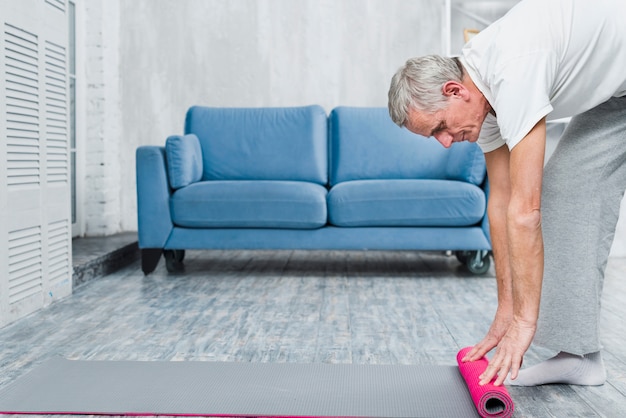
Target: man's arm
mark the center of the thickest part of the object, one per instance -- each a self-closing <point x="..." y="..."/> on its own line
<point x="497" y="208"/>
<point x="525" y="247"/>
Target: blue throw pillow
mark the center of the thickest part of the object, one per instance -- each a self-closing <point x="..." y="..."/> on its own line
<point x="184" y="160"/>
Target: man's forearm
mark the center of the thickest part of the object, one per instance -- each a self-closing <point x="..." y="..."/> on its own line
<point x="524" y="223"/>
<point x="497" y="210"/>
<point x="499" y="242"/>
<point x="526" y="263"/>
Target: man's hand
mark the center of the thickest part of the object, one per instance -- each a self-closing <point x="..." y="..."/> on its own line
<point x="498" y="329"/>
<point x="510" y="353"/>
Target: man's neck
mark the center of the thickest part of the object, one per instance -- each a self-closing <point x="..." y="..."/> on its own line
<point x="471" y="86"/>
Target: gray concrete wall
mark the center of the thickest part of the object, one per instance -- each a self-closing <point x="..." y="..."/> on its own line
<point x="175" y="54"/>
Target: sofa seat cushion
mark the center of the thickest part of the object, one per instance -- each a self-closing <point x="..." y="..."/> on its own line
<point x="412" y="203"/>
<point x="250" y="204"/>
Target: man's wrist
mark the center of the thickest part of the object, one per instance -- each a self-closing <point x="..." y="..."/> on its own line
<point x="526" y="320"/>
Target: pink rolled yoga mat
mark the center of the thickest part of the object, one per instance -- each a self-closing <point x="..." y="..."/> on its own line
<point x="490" y="401"/>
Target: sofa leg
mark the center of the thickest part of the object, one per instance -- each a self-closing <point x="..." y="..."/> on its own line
<point x="149" y="259"/>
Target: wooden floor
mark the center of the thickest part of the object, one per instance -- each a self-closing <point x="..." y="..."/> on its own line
<point x="298" y="306"/>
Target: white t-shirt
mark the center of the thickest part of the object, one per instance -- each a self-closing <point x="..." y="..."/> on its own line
<point x="554" y="58"/>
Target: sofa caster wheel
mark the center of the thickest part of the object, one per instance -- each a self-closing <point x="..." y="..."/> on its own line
<point x="478" y="262"/>
<point x="174" y="260"/>
<point x="463" y="256"/>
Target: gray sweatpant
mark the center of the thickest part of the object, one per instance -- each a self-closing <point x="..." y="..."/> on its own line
<point x="583" y="185"/>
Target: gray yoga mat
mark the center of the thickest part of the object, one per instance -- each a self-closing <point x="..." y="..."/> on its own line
<point x="60" y="386"/>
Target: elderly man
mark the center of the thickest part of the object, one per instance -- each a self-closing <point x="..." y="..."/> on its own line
<point x="543" y="60"/>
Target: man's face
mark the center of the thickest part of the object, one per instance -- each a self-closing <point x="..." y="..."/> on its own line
<point x="456" y="123"/>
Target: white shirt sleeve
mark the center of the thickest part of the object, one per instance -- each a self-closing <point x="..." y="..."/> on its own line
<point x="522" y="90"/>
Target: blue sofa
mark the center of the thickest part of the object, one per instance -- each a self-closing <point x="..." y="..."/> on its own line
<point x="297" y="178"/>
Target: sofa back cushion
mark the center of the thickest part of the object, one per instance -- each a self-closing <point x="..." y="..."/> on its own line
<point x="261" y="143"/>
<point x="366" y="144"/>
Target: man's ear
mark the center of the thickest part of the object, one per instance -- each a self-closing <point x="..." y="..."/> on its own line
<point x="454" y="88"/>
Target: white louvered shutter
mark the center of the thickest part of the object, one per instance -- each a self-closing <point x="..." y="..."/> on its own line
<point x="35" y="218"/>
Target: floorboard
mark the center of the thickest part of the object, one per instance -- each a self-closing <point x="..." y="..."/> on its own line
<point x="303" y="306"/>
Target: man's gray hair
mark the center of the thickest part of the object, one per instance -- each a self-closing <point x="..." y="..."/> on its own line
<point x="419" y="83"/>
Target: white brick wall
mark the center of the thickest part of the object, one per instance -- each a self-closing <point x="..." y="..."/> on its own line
<point x="103" y="183"/>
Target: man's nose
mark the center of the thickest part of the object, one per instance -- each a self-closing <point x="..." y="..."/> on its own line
<point x="444" y="138"/>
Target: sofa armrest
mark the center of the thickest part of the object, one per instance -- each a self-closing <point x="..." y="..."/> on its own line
<point x="153" y="197"/>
